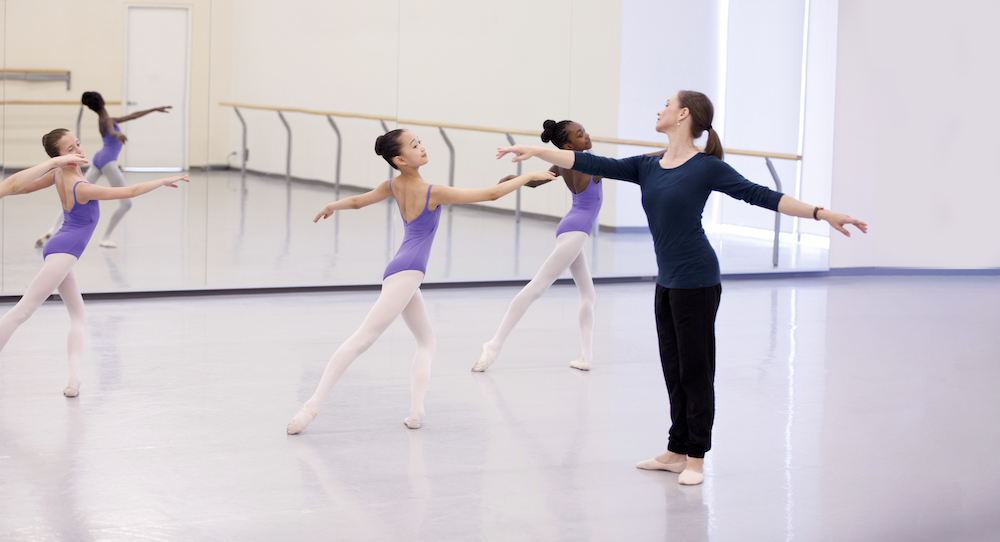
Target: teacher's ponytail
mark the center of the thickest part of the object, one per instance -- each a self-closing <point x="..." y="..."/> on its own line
<point x="702" y="112"/>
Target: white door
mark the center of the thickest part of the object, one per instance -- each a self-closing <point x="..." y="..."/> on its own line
<point x="157" y="47"/>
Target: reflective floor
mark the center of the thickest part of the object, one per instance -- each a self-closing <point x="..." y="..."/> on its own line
<point x="223" y="232"/>
<point x="850" y="408"/>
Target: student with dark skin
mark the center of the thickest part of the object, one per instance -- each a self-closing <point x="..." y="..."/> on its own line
<point x="572" y="233"/>
<point x="106" y="160"/>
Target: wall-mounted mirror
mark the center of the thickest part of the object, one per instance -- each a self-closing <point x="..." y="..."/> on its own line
<point x="138" y="58"/>
<point x="275" y="113"/>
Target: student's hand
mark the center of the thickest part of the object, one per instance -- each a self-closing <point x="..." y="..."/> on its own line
<point x="162" y="109"/>
<point x="507" y="178"/>
<point x="69" y="160"/>
<point x="121" y="137"/>
<point x="839" y="220"/>
<point x="172" y="181"/>
<point x="542" y="175"/>
<point x="521" y="152"/>
<point x="324" y="213"/>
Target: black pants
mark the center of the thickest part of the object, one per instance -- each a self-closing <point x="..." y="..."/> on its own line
<point x="685" y="326"/>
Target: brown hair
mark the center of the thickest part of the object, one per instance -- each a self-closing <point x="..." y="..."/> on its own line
<point x="51" y="141"/>
<point x="701" y="119"/>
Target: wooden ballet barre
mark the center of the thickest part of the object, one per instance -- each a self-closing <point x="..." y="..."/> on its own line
<point x="307" y="111"/>
<point x="50" y="102"/>
<point x="38" y="75"/>
<point x="468" y="127"/>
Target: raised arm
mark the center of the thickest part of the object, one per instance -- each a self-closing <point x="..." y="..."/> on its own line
<point x="561" y="158"/>
<point x="534" y="184"/>
<point x="37" y="177"/>
<point x="790" y="206"/>
<point x="447" y="194"/>
<point x="380" y="193"/>
<point x="143" y="113"/>
<point x="88" y="192"/>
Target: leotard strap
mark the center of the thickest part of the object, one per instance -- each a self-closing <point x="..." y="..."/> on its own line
<point x="76" y="201"/>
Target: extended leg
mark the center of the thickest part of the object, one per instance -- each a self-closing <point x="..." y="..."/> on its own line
<point x="54" y="270"/>
<point x="415" y="316"/>
<point x="588" y="296"/>
<point x="70" y="294"/>
<point x="568" y="246"/>
<point x="396" y="293"/>
<point x="116" y="178"/>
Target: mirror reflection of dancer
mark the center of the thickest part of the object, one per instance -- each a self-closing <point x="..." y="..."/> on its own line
<point x="79" y="201"/>
<point x="420" y="206"/>
<point x="571" y="234"/>
<point x="675" y="187"/>
<point x="106" y="161"/>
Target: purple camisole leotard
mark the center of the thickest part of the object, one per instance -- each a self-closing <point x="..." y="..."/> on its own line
<point x="417" y="239"/>
<point x="109" y="152"/>
<point x="78" y="225"/>
<point x="586" y="206"/>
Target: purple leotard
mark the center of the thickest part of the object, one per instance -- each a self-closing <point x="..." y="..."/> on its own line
<point x="78" y="225"/>
<point x="586" y="206"/>
<point x="417" y="238"/>
<point x="109" y="152"/>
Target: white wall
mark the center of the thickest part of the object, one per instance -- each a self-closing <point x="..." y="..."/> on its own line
<point x="666" y="46"/>
<point x="915" y="143"/>
<point x="762" y="100"/>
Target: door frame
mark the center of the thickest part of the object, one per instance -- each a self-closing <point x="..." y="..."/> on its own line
<point x="186" y="118"/>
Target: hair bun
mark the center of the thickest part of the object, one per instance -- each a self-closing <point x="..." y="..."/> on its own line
<point x="547" y="128"/>
<point x="93" y="100"/>
<point x="378" y="144"/>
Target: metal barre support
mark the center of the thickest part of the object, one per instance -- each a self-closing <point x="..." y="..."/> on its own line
<point x="385" y="129"/>
<point x="336" y="189"/>
<point x="517" y="204"/>
<point x="777" y="215"/>
<point x="243" y="158"/>
<point x="79" y="118"/>
<point x="288" y="155"/>
<point x="451" y="157"/>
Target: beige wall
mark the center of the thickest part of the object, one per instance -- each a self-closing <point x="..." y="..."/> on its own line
<point x="88" y="39"/>
<point x="448" y="61"/>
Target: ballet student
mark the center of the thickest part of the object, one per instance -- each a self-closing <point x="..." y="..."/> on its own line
<point x="571" y="234"/>
<point x="420" y="207"/>
<point x="675" y="187"/>
<point x="79" y="201"/>
<point x="106" y="161"/>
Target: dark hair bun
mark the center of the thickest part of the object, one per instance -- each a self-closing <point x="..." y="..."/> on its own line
<point x="92" y="100"/>
<point x="547" y="128"/>
<point x="378" y="144"/>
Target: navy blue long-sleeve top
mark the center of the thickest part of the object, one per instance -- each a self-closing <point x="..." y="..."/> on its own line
<point x="674" y="200"/>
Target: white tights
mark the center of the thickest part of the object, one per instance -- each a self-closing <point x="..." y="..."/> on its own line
<point x="115" y="178"/>
<point x="568" y="254"/>
<point x="400" y="295"/>
<point x="56" y="273"/>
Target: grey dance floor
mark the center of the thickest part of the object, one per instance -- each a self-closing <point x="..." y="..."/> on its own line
<point x="222" y="232"/>
<point x="849" y="408"/>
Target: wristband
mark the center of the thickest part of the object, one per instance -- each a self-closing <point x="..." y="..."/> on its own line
<point x="815" y="211"/>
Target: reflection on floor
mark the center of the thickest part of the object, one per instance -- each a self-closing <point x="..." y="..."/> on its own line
<point x="852" y="408"/>
<point x="222" y="232"/>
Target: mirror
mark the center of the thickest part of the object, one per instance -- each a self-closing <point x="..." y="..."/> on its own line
<point x="137" y="57"/>
<point x="275" y="113"/>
